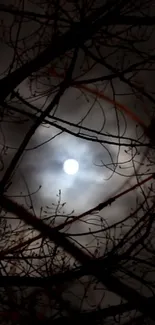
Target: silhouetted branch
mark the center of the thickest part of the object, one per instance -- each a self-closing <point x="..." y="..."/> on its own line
<point x="111" y="282"/>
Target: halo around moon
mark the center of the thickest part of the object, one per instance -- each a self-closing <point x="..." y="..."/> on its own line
<point x="71" y="166"/>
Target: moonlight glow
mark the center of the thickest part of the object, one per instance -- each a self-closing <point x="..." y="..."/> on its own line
<point x="71" y="166"/>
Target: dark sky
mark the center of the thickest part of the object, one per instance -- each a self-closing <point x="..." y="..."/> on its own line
<point x="43" y="164"/>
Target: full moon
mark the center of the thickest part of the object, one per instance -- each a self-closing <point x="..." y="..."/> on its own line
<point x="71" y="166"/>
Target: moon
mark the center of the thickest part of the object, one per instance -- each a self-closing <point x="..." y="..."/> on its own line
<point x="71" y="166"/>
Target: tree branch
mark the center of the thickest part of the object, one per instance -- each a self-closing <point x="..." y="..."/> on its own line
<point x="101" y="271"/>
<point x="78" y="33"/>
<point x="64" y="85"/>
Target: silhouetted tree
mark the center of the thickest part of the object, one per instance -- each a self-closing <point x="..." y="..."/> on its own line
<point x="104" y="52"/>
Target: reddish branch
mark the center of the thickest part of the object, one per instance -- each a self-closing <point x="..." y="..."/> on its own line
<point x="63" y="86"/>
<point x="99" y="270"/>
<point x="101" y="95"/>
<point x="78" y="33"/>
<point x="99" y="207"/>
<point x="114" y="19"/>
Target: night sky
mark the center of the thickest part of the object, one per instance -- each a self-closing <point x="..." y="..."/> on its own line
<point x="104" y="169"/>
